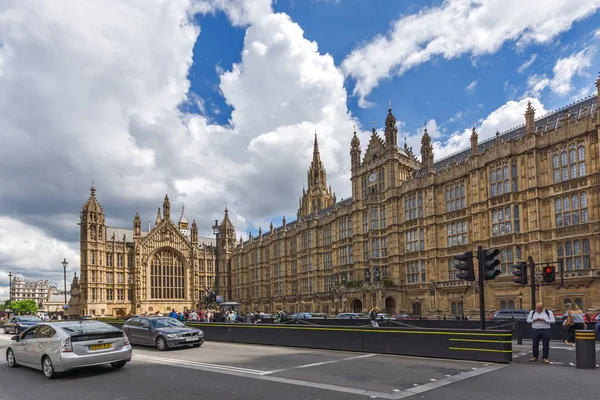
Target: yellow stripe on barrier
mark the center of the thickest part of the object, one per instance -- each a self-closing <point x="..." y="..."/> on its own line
<point x="475" y="349"/>
<point x="585" y="338"/>
<point x="256" y="326"/>
<point x="480" y="341"/>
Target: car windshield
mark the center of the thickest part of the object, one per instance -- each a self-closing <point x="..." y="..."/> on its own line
<point x="30" y="318"/>
<point x="166" y="323"/>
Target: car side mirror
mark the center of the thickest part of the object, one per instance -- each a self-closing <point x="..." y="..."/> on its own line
<point x="15" y="338"/>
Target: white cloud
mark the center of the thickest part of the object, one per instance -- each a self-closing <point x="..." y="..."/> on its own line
<point x="84" y="95"/>
<point x="459" y="27"/>
<point x="527" y="63"/>
<point x="564" y="71"/>
<point x="471" y="86"/>
<point x="506" y="117"/>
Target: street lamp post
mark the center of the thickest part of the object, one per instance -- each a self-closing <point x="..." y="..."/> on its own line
<point x="520" y="301"/>
<point x="216" y="232"/>
<point x="64" y="264"/>
<point x="462" y="307"/>
<point x="10" y="275"/>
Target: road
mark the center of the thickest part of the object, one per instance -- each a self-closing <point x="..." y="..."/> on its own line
<point x="234" y="371"/>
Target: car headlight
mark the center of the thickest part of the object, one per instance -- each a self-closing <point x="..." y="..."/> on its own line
<point x="173" y="335"/>
<point x="200" y="333"/>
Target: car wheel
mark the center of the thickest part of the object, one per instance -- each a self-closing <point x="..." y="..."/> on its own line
<point x="5" y="331"/>
<point x="10" y="359"/>
<point x="48" y="368"/>
<point x="161" y="343"/>
<point x="118" y="364"/>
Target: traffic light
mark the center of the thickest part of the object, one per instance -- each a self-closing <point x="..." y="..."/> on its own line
<point x="465" y="266"/>
<point x="549" y="274"/>
<point x="520" y="273"/>
<point x="490" y="262"/>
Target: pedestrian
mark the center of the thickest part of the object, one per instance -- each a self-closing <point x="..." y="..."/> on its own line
<point x="540" y="320"/>
<point x="173" y="314"/>
<point x="373" y="316"/>
<point x="574" y="320"/>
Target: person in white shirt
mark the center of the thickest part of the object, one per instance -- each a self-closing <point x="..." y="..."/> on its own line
<point x="540" y="320"/>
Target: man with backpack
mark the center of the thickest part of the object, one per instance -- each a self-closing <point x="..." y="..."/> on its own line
<point x="540" y="320"/>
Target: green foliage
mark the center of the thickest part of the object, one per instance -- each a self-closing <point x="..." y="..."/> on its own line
<point x="4" y="306"/>
<point x="24" y="306"/>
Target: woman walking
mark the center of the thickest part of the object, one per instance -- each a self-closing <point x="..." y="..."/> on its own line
<point x="574" y="320"/>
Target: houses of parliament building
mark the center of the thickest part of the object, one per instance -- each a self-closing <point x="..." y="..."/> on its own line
<point x="530" y="191"/>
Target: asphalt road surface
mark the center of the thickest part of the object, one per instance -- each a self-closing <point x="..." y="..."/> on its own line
<point x="232" y="371"/>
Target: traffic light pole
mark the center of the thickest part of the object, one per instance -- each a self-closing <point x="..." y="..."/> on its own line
<point x="532" y="268"/>
<point x="481" y="293"/>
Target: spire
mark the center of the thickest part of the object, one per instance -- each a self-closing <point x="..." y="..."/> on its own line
<point x="194" y="232"/>
<point x="158" y="217"/>
<point x="92" y="190"/>
<point x="529" y="119"/>
<point x="391" y="132"/>
<point x="137" y="225"/>
<point x="316" y="154"/>
<point x="183" y="222"/>
<point x="474" y="142"/>
<point x="167" y="208"/>
<point x="226" y="224"/>
<point x="426" y="150"/>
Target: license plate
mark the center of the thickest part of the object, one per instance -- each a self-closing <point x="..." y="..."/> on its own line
<point x="191" y="339"/>
<point x="100" y="346"/>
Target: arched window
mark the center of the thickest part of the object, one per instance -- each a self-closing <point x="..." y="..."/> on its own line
<point x="459" y="311"/>
<point x="167" y="275"/>
<point x="511" y="305"/>
<point x="503" y="305"/>
<point x="453" y="306"/>
<point x="574" y="255"/>
<point x="579" y="303"/>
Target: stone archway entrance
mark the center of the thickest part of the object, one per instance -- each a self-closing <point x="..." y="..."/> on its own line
<point x="390" y="305"/>
<point x="356" y="306"/>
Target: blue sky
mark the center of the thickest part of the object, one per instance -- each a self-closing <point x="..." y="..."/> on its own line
<point x="435" y="89"/>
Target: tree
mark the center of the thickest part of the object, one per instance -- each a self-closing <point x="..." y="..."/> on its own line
<point x="5" y="305"/>
<point x="24" y="307"/>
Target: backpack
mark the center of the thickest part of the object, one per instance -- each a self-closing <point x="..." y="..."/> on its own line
<point x="547" y="312"/>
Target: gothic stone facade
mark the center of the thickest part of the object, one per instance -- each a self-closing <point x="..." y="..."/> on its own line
<point x="129" y="270"/>
<point x="531" y="191"/>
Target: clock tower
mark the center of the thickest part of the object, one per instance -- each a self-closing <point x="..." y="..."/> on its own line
<point x="318" y="196"/>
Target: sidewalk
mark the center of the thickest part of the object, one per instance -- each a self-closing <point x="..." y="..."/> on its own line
<point x="554" y="344"/>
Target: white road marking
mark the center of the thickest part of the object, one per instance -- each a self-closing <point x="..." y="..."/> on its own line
<point x="165" y="360"/>
<point x="264" y="375"/>
<point x="323" y="363"/>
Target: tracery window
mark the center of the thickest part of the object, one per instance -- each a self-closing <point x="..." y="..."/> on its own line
<point x="569" y="164"/>
<point x="500" y="180"/>
<point x="571" y="210"/>
<point x="455" y="197"/>
<point x="167" y="275"/>
<point x="574" y="255"/>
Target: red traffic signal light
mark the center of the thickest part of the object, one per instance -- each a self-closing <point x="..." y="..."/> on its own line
<point x="549" y="274"/>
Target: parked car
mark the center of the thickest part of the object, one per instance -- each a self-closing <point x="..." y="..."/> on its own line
<point x="17" y="324"/>
<point x="163" y="332"/>
<point x="509" y="315"/>
<point x="56" y="347"/>
<point x="309" y="315"/>
<point x="401" y="316"/>
<point x="352" y="316"/>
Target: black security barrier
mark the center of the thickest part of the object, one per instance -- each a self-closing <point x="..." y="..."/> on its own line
<point x="475" y="345"/>
<point x="585" y="349"/>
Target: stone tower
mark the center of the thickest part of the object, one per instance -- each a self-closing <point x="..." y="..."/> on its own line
<point x="92" y="237"/>
<point x="317" y="196"/>
<point x="474" y="142"/>
<point x="226" y="245"/>
<point x="529" y="119"/>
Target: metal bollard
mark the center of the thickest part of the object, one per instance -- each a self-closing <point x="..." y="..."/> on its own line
<point x="585" y="349"/>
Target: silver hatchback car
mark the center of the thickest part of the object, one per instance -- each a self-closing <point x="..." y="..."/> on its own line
<point x="59" y="346"/>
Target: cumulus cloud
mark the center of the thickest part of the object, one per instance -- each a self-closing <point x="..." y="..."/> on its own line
<point x="456" y="28"/>
<point x="85" y="96"/>
<point x="564" y="71"/>
<point x="503" y="118"/>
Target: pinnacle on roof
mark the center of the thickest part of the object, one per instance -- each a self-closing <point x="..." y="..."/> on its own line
<point x="182" y="218"/>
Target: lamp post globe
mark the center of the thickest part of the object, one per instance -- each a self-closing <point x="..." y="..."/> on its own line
<point x="216" y="229"/>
